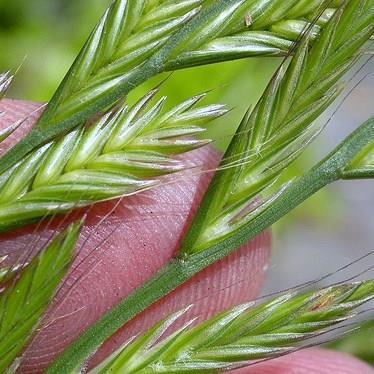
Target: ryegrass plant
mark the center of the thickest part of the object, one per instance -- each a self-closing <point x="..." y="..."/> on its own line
<point x="70" y="160"/>
<point x="119" y="155"/>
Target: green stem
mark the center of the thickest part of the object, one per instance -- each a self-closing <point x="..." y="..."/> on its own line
<point x="179" y="270"/>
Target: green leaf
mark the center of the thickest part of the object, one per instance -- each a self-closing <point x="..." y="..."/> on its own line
<point x="25" y="300"/>
<point x="240" y="335"/>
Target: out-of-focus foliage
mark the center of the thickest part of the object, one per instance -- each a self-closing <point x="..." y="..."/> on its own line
<point x="43" y="36"/>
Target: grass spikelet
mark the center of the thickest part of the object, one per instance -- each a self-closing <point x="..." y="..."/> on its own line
<point x="26" y="298"/>
<point x="267" y="140"/>
<point x="138" y="29"/>
<point x="121" y="154"/>
<point x="5" y="82"/>
<point x="9" y="130"/>
<point x="281" y="125"/>
<point x="240" y="335"/>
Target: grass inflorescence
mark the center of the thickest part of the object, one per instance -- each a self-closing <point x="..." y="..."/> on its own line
<point x="27" y="296"/>
<point x="243" y="334"/>
<point x="281" y="125"/>
<point x="123" y="153"/>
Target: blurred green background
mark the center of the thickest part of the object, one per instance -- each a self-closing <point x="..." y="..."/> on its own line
<point x="40" y="38"/>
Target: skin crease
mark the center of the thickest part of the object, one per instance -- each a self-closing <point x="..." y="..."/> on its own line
<point x="133" y="242"/>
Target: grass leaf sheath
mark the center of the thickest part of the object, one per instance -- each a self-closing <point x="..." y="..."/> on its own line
<point x="137" y="39"/>
<point x="121" y="154"/>
<point x="245" y="333"/>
